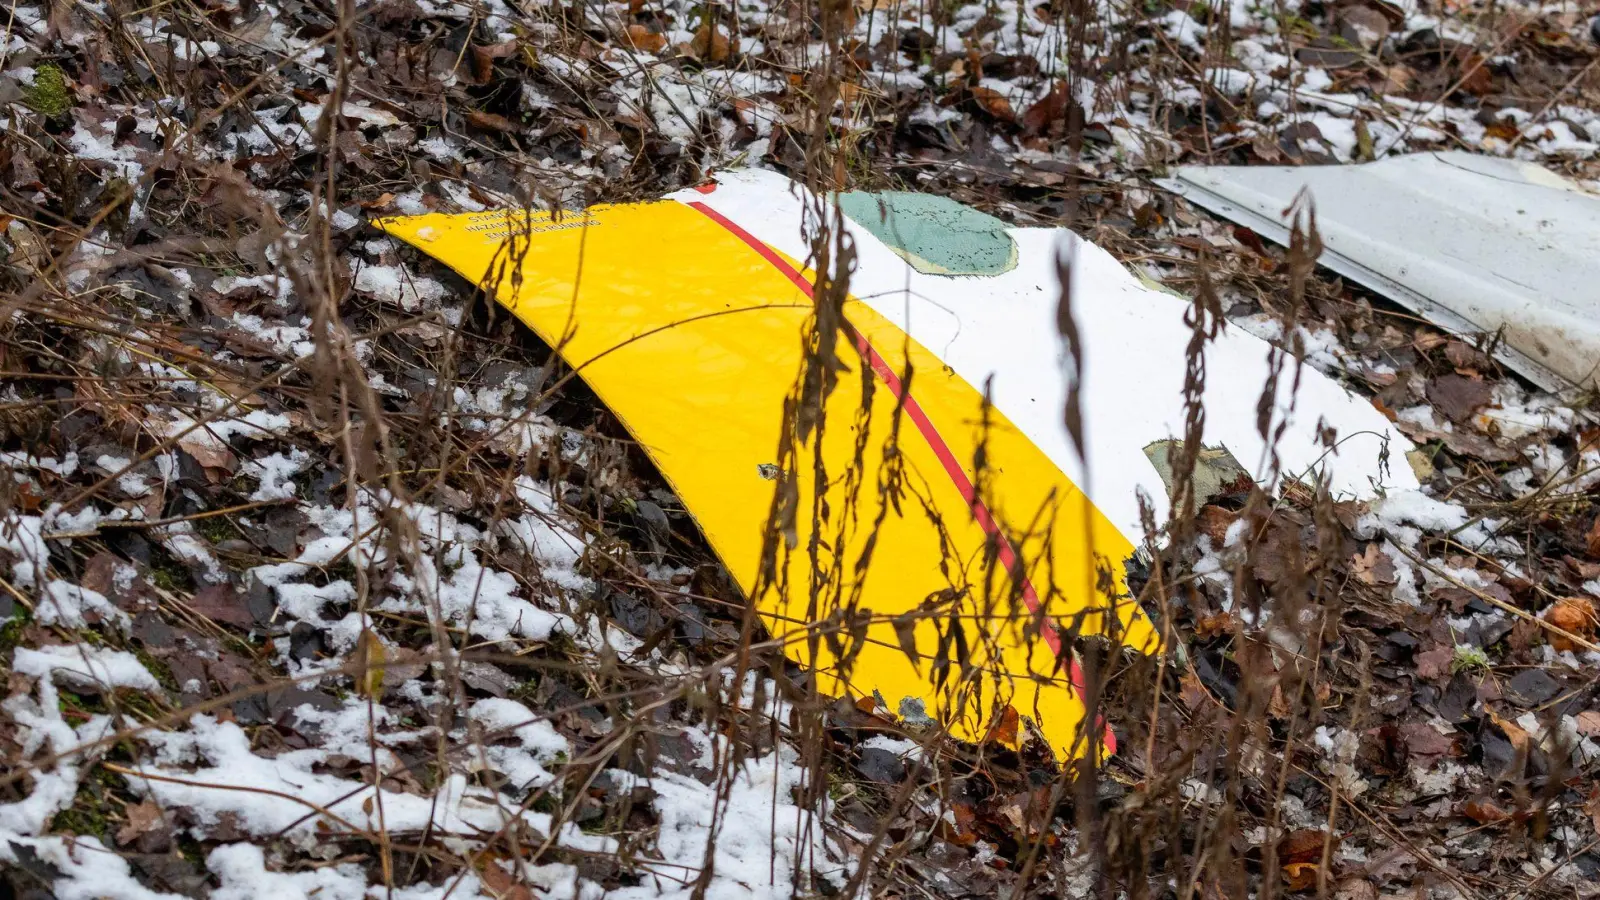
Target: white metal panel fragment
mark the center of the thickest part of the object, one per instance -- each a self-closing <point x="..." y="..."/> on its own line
<point x="1476" y="244"/>
<point x="1001" y="330"/>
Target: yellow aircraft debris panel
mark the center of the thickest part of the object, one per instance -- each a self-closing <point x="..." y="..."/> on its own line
<point x="686" y="318"/>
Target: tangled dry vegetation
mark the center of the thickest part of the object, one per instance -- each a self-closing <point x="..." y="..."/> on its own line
<point x="322" y="578"/>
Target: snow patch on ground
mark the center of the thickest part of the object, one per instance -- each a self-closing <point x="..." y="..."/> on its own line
<point x="273" y="473"/>
<point x="85" y="667"/>
<point x="288" y="794"/>
<point x="66" y="604"/>
<point x="763" y="839"/>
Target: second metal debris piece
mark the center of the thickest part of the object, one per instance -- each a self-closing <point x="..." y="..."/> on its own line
<point x="1478" y="245"/>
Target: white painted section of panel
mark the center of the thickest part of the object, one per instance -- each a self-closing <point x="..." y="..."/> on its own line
<point x="1001" y="330"/>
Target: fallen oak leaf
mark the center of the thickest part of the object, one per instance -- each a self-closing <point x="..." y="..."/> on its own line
<point x="1012" y="813"/>
<point x="1465" y="356"/>
<point x="400" y="666"/>
<point x="1588" y="439"/>
<point x="1215" y="624"/>
<point x="1476" y="78"/>
<point x="1503" y="129"/>
<point x="28" y="499"/>
<point x="501" y="882"/>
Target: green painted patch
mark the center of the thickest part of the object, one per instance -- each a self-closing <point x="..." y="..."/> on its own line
<point x="936" y="235"/>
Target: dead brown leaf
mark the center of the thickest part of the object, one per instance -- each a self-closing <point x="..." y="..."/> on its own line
<point x="1424" y="340"/>
<point x="994" y="103"/>
<point x="483" y="59"/>
<point x="1214" y="522"/>
<point x="1514" y="733"/>
<point x="143" y="818"/>
<point x="1476" y="79"/>
<point x="1465" y="356"/>
<point x="1372" y="566"/>
<point x="1191" y="692"/>
<point x="1280" y="555"/>
<point x="1004" y="729"/>
<point x="1300" y="876"/>
<point x="222" y="603"/>
<point x="1266" y="149"/>
<point x="1504" y="130"/>
<point x="1484" y="812"/>
<point x="1302" y="845"/>
<point x="1052" y="107"/>
<point x="489" y="121"/>
<point x="208" y="451"/>
<point x="1435" y="663"/>
<point x="1458" y="397"/>
<point x="645" y="40"/>
<point x="1425" y="744"/>
<point x="957" y="827"/>
<point x="1575" y="615"/>
<point x="1355" y="889"/>
<point x="1212" y="625"/>
<point x="711" y="43"/>
<point x="1588" y="723"/>
<point x="501" y="883"/>
<point x="27" y="498"/>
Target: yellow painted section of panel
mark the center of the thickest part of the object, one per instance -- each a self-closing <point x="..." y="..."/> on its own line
<point x="694" y="339"/>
